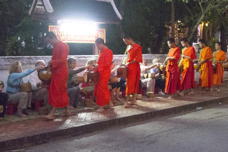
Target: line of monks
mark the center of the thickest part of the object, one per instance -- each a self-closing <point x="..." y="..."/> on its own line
<point x="179" y="70"/>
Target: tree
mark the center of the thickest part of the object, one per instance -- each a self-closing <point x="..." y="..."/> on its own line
<point x="17" y="34"/>
<point x="209" y="8"/>
<point x="199" y="10"/>
<point x="142" y="22"/>
<point x="145" y="20"/>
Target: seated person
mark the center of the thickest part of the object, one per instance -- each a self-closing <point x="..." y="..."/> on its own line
<point x="116" y="84"/>
<point x="122" y="84"/>
<point x="3" y="100"/>
<point x="39" y="88"/>
<point x="115" y="88"/>
<point x="87" y="88"/>
<point x="14" y="82"/>
<point x="73" y="84"/>
<point x="148" y="75"/>
<point x="160" y="79"/>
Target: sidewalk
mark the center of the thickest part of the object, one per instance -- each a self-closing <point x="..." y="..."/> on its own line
<point x="38" y="130"/>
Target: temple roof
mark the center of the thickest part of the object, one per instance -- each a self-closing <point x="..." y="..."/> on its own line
<point x="101" y="11"/>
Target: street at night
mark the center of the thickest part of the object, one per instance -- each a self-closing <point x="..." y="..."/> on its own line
<point x="198" y="131"/>
<point x="114" y="76"/>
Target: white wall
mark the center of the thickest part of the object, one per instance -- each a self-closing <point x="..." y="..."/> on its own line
<point x="29" y="61"/>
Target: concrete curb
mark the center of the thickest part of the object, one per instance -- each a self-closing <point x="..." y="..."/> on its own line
<point x="98" y="126"/>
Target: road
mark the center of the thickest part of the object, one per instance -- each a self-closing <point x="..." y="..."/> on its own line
<point x="199" y="131"/>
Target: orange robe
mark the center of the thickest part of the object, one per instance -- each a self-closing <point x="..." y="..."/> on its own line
<point x="219" y="73"/>
<point x="172" y="72"/>
<point x="102" y="92"/>
<point x="188" y="73"/>
<point x="206" y="69"/>
<point x="57" y="91"/>
<point x="133" y="73"/>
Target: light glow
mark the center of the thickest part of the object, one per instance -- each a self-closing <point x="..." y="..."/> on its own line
<point x="78" y="27"/>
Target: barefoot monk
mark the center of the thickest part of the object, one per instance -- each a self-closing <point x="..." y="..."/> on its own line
<point x="172" y="71"/>
<point x="205" y="65"/>
<point x="133" y="66"/>
<point x="219" y="57"/>
<point x="57" y="92"/>
<point x="187" y="66"/>
<point x="104" y="62"/>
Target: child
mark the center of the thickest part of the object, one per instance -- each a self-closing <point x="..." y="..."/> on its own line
<point x="3" y="100"/>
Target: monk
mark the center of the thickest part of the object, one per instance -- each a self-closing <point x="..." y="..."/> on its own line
<point x="105" y="58"/>
<point x="219" y="57"/>
<point x="205" y="66"/>
<point x="57" y="91"/>
<point x="187" y="67"/>
<point x="134" y="59"/>
<point x="172" y="85"/>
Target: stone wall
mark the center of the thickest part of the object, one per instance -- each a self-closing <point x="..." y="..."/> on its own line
<point x="29" y="61"/>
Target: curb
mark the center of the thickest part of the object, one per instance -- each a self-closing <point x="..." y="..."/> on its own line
<point x="98" y="126"/>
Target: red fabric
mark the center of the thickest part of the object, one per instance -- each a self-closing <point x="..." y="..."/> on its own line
<point x="188" y="77"/>
<point x="188" y="74"/>
<point x="11" y="109"/>
<point x="102" y="92"/>
<point x="172" y="72"/>
<point x="133" y="74"/>
<point x="58" y="96"/>
<point x="135" y="53"/>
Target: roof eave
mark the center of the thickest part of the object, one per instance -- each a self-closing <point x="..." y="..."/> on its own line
<point x="48" y="11"/>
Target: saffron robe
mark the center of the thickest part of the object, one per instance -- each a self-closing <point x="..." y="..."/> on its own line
<point x="219" y="73"/>
<point x="206" y="69"/>
<point x="188" y="71"/>
<point x="57" y="91"/>
<point x="133" y="69"/>
<point x="172" y="72"/>
<point x="102" y="92"/>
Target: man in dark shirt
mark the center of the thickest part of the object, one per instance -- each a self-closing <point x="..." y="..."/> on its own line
<point x="73" y="88"/>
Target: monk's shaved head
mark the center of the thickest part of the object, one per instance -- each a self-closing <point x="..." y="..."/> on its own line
<point x="202" y="43"/>
<point x="100" y="41"/>
<point x="171" y="43"/>
<point x="185" y="42"/>
<point x="218" y="45"/>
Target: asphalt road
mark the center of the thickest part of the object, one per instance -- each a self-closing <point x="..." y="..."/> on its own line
<point x="200" y="131"/>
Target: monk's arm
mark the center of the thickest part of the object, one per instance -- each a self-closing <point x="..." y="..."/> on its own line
<point x="204" y="61"/>
<point x="136" y="57"/>
<point x="184" y="56"/>
<point x="223" y="61"/>
<point x="169" y="58"/>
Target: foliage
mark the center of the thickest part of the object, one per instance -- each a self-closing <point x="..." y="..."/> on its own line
<point x="144" y="20"/>
<point x="17" y="34"/>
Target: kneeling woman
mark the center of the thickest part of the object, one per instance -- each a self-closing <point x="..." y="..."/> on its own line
<point x="14" y="87"/>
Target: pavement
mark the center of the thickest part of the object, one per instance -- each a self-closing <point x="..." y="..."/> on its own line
<point x="35" y="131"/>
<point x="200" y="131"/>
